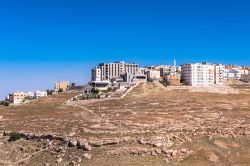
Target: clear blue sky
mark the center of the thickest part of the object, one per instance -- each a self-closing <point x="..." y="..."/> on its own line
<point x="42" y="41"/>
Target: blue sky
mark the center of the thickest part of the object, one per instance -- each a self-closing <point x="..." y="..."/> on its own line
<point x="42" y="41"/>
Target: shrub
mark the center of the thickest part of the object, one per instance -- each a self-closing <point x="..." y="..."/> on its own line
<point x="94" y="91"/>
<point x="60" y="90"/>
<point x="109" y="89"/>
<point x="14" y="136"/>
<point x="4" y="103"/>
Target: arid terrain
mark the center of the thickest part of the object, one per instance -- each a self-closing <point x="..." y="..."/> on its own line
<point x="151" y="125"/>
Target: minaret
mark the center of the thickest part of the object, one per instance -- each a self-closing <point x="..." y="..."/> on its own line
<point x="174" y="62"/>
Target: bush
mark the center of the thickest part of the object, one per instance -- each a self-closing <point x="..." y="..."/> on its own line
<point x="4" y="103"/>
<point x="60" y="90"/>
<point x="94" y="91"/>
<point x="14" y="136"/>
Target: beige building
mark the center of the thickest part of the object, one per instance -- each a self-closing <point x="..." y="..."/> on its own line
<point x="173" y="79"/>
<point x="153" y="74"/>
<point x="61" y="85"/>
<point x="17" y="97"/>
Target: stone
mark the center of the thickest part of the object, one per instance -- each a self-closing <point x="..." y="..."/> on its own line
<point x="183" y="150"/>
<point x="166" y="160"/>
<point x="87" y="147"/>
<point x="168" y="152"/>
<point x="87" y="156"/>
<point x="59" y="160"/>
<point x="174" y="153"/>
<point x="153" y="153"/>
<point x="158" y="151"/>
<point x="141" y="141"/>
<point x="157" y="144"/>
<point x="72" y="143"/>
<point x="72" y="163"/>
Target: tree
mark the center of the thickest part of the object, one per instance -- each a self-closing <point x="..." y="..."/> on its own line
<point x="94" y="91"/>
<point x="73" y="84"/>
<point x="60" y="90"/>
<point x="49" y="92"/>
<point x="4" y="103"/>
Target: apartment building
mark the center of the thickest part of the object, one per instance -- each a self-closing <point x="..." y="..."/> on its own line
<point x="17" y="97"/>
<point x="61" y="85"/>
<point x="111" y="71"/>
<point x="202" y="74"/>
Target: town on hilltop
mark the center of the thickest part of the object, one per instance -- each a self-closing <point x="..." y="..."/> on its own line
<point x="120" y="76"/>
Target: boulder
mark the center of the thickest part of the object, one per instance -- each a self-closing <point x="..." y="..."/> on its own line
<point x="158" y="151"/>
<point x="87" y="156"/>
<point x="59" y="160"/>
<point x="153" y="153"/>
<point x="73" y="142"/>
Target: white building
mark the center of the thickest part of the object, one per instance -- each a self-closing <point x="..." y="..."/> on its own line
<point x="31" y="94"/>
<point x="39" y="93"/>
<point x="17" y="97"/>
<point x="202" y="74"/>
<point x="114" y="71"/>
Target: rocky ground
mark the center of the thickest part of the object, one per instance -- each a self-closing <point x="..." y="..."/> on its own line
<point x="149" y="126"/>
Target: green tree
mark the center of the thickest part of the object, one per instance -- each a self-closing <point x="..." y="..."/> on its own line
<point x="94" y="91"/>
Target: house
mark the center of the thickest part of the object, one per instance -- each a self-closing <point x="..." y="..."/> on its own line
<point x="153" y="74"/>
<point x="173" y="79"/>
<point x="63" y="85"/>
<point x="87" y="89"/>
<point x="30" y="94"/>
<point x="39" y="93"/>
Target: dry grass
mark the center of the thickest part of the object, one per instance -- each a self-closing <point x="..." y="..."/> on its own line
<point x="146" y="112"/>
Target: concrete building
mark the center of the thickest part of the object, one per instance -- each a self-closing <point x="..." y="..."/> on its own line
<point x="17" y="97"/>
<point x="173" y="79"/>
<point x="153" y="74"/>
<point x="235" y="72"/>
<point x="101" y="85"/>
<point x="61" y="85"/>
<point x="30" y="94"/>
<point x="202" y="74"/>
<point x="87" y="89"/>
<point x="110" y="71"/>
<point x="129" y="78"/>
<point x="39" y="94"/>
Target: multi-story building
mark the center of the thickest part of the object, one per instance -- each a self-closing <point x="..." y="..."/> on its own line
<point x="202" y="74"/>
<point x="111" y="71"/>
<point x="39" y="93"/>
<point x="17" y="97"/>
<point x="153" y="74"/>
<point x="61" y="85"/>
